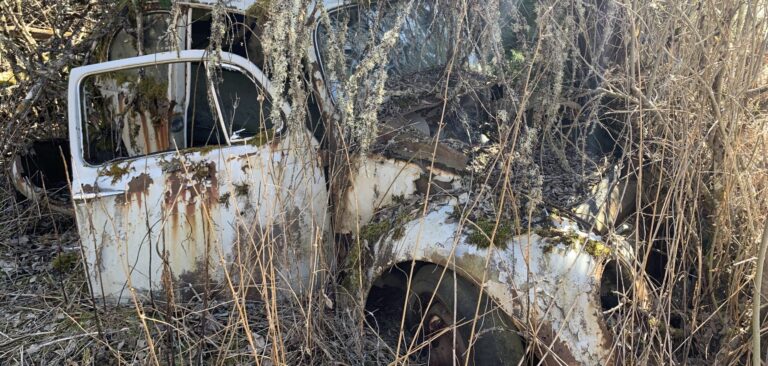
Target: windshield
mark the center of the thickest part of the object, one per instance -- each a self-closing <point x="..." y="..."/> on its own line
<point x="428" y="38"/>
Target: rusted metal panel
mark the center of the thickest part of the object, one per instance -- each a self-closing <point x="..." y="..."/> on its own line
<point x="555" y="288"/>
<point x="179" y="220"/>
<point x="186" y="215"/>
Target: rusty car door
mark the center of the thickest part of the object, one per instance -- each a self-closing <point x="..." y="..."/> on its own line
<point x="186" y="181"/>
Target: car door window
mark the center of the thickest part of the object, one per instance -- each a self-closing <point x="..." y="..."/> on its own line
<point x="133" y="112"/>
<point x="130" y="113"/>
<point x="241" y="107"/>
<point x="245" y="107"/>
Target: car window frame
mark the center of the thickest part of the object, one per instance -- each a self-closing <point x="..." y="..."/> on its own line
<point x="76" y="105"/>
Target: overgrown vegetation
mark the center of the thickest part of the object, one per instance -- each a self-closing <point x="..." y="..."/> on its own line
<point x="680" y="87"/>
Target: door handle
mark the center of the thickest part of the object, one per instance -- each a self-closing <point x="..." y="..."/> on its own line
<point x="93" y="195"/>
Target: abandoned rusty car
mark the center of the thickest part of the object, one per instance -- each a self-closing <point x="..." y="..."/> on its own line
<point x="185" y="174"/>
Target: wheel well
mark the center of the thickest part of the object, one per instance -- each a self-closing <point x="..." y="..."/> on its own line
<point x="397" y="275"/>
<point x="386" y="298"/>
<point x="388" y="290"/>
<point x="615" y="283"/>
<point x="395" y="278"/>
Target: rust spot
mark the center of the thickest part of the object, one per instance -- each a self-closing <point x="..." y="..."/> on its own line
<point x="213" y="194"/>
<point x="162" y="135"/>
<point x="191" y="210"/>
<point x="144" y="131"/>
<point x="137" y="187"/>
<point x="139" y="184"/>
<point x="437" y="186"/>
<point x="173" y="183"/>
<point x="194" y="187"/>
<point x="88" y="188"/>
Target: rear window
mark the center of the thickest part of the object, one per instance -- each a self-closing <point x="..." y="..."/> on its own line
<point x="126" y="42"/>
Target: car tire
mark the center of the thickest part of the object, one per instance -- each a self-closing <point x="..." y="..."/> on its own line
<point x="495" y="341"/>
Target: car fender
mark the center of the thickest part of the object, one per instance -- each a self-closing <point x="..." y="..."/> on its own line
<point x="553" y="287"/>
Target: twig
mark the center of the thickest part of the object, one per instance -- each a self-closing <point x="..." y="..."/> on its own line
<point x="756" y="359"/>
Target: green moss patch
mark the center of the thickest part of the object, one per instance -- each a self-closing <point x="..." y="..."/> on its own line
<point x="115" y="171"/>
<point x="556" y="237"/>
<point x="482" y="234"/>
<point x="261" y="138"/>
<point x="65" y="262"/>
<point x="596" y="248"/>
<point x="151" y="90"/>
<point x="374" y="231"/>
<point x="204" y="150"/>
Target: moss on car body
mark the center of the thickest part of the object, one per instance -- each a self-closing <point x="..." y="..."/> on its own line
<point x="481" y="236"/>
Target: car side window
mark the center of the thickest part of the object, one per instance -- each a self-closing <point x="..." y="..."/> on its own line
<point x="241" y="35"/>
<point x="245" y="107"/>
<point x="423" y="42"/>
<point x="142" y="111"/>
<point x="154" y="39"/>
<point x="241" y="106"/>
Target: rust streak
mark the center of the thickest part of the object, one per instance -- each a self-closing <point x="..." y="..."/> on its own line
<point x="162" y="136"/>
<point x="137" y="187"/>
<point x="144" y="131"/>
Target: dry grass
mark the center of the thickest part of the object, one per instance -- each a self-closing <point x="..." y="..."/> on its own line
<point x="680" y="85"/>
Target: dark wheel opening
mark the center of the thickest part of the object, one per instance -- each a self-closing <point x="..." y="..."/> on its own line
<point x="436" y="325"/>
<point x="615" y="286"/>
<point x="439" y="319"/>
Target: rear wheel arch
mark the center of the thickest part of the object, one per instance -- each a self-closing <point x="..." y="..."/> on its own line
<point x="495" y="339"/>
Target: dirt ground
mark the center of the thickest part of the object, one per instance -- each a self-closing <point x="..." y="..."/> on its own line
<point x="49" y="317"/>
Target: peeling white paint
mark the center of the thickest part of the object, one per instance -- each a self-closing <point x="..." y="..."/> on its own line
<point x="376" y="182"/>
<point x="562" y="283"/>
